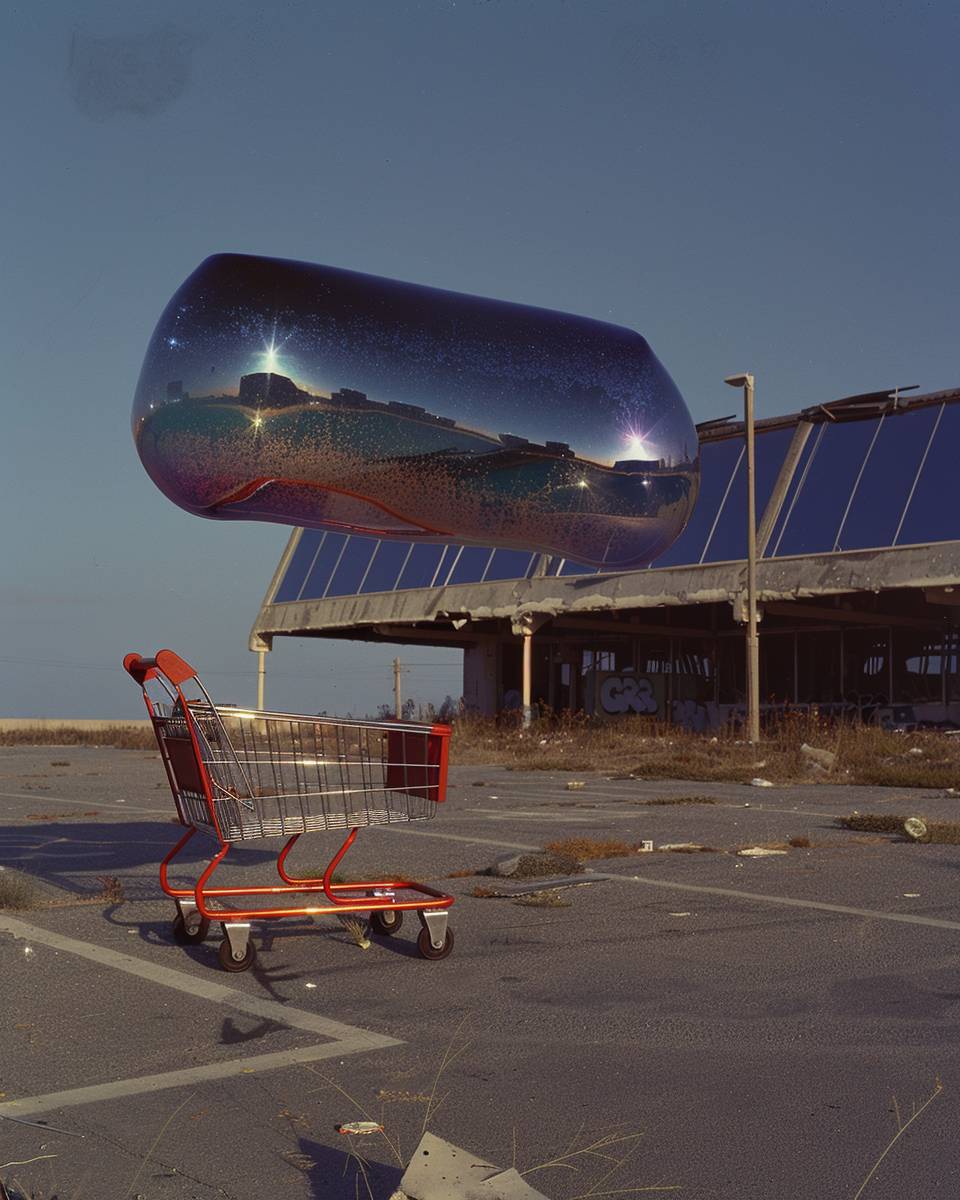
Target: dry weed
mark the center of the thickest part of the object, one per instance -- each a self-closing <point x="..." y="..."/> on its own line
<point x="642" y="748"/>
<point x="16" y="893"/>
<point x="581" y="849"/>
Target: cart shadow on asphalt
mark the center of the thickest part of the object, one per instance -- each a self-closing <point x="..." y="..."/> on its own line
<point x="335" y="1175"/>
<point x="74" y="856"/>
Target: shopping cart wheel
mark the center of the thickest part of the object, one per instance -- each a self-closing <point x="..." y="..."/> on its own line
<point x="191" y="932"/>
<point x="428" y="950"/>
<point x="229" y="963"/>
<point x="386" y="921"/>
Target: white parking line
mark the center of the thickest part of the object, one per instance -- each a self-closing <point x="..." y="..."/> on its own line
<point x="345" y="1039"/>
<point x="791" y="901"/>
<point x="122" y="806"/>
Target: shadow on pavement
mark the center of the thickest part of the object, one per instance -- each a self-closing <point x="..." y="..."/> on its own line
<point x="335" y="1174"/>
<point x="72" y="855"/>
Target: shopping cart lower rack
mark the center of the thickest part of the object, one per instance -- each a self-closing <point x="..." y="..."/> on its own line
<point x="240" y="775"/>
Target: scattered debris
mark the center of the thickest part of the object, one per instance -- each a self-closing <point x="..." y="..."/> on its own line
<point x="549" y="898"/>
<point x="439" y="1170"/>
<point x="679" y="914"/>
<point x="758" y="782"/>
<point x="915" y="827"/>
<point x="911" y="895"/>
<point x="914" y="750"/>
<point x="824" y="759"/>
<point x="359" y="1127"/>
<point x="538" y="888"/>
<point x="534" y="866"/>
<point x="575" y="785"/>
<point x="646" y="846"/>
<point x="686" y="848"/>
<point x="759" y="852"/>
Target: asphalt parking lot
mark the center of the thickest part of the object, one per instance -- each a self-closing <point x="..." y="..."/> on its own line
<point x="762" y="1024"/>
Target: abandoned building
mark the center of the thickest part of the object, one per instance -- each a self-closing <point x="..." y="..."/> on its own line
<point x="858" y="577"/>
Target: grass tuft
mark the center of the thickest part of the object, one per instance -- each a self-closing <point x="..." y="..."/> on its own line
<point x="580" y="849"/>
<point x="16" y="893"/>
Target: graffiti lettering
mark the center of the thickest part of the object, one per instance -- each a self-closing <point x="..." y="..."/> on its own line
<point x="623" y="693"/>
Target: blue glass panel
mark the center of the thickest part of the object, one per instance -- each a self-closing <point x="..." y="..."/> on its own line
<point x="553" y="566"/>
<point x="421" y="567"/>
<point x="298" y="566"/>
<point x="471" y="564"/>
<point x="509" y="564"/>
<point x="353" y="563"/>
<point x="446" y="564"/>
<point x="812" y="525"/>
<point x="717" y="460"/>
<point x="794" y="486"/>
<point x="386" y="567"/>
<point x="572" y="568"/>
<point x="887" y="478"/>
<point x="322" y="568"/>
<point x="729" y="539"/>
<point x="933" y="515"/>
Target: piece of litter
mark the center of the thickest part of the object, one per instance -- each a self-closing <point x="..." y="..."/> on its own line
<point x="758" y="782"/>
<point x="759" y="852"/>
<point x="679" y="914"/>
<point x="574" y="785"/>
<point x="915" y="827"/>
<point x="914" y="750"/>
<point x="310" y="985"/>
<point x="28" y="951"/>
<point x="360" y="1127"/>
<point x="131" y="931"/>
<point x="911" y="895"/>
<point x="493" y="797"/>
<point x="681" y="846"/>
<point x="646" y="846"/>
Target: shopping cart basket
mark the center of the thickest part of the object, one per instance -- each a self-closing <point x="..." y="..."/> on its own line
<point x="240" y="775"/>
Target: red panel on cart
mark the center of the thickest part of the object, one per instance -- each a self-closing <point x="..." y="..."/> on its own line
<point x="416" y="763"/>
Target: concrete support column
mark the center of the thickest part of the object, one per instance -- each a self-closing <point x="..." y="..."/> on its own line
<point x="261" y="676"/>
<point x="527" y="686"/>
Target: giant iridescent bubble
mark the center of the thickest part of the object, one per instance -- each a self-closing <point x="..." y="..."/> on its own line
<point x="308" y="395"/>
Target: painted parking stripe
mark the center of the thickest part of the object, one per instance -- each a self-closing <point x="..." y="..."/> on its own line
<point x="105" y="805"/>
<point x="646" y="880"/>
<point x="117" y="1088"/>
<point x="342" y="1039"/>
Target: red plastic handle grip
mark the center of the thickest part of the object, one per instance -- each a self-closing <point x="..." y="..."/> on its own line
<point x="171" y="665"/>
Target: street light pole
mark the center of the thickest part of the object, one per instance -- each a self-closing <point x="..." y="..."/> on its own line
<point x="753" y="643"/>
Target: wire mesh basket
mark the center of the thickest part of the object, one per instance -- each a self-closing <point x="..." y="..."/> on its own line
<point x="275" y="775"/>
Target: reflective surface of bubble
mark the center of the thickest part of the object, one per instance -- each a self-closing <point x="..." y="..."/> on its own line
<point x="309" y="395"/>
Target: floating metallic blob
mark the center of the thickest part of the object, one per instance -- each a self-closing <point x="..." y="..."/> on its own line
<point x="308" y="395"/>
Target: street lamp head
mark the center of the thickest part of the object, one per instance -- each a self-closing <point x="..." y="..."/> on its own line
<point x="739" y="380"/>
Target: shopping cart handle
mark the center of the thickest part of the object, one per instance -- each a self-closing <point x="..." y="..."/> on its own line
<point x="168" y="664"/>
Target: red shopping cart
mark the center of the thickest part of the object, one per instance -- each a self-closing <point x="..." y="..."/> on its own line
<point x="239" y="775"/>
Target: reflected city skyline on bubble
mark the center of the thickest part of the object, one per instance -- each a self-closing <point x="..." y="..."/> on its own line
<point x="309" y="395"/>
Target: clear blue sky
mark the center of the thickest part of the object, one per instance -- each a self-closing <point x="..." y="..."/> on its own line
<point x="753" y="185"/>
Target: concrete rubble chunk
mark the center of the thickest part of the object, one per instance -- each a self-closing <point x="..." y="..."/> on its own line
<point x="439" y="1170"/>
<point x="820" y="758"/>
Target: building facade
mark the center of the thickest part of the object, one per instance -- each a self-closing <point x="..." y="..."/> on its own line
<point x="858" y="582"/>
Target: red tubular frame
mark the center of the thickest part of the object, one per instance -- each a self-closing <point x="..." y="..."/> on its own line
<point x="176" y="672"/>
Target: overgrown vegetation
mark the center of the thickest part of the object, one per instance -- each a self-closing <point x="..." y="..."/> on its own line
<point x="641" y="748"/>
<point x="119" y="737"/>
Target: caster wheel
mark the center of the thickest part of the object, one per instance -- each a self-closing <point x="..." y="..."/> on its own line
<point x="192" y="931"/>
<point x="386" y="921"/>
<point x="229" y="963"/>
<point x="427" y="950"/>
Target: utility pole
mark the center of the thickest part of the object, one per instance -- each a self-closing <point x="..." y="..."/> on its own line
<point x="397" y="702"/>
<point x="753" y="645"/>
